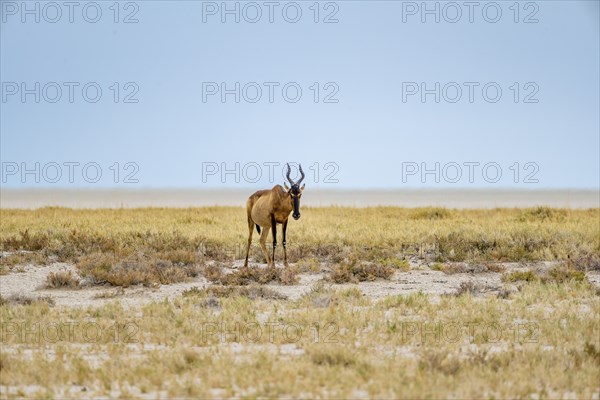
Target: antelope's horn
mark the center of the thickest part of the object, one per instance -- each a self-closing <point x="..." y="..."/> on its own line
<point x="289" y="170"/>
<point x="302" y="177"/>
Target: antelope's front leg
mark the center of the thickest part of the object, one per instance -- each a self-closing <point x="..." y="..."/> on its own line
<point x="285" y="261"/>
<point x="274" y="230"/>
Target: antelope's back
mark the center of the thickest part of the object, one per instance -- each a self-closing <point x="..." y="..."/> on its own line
<point x="255" y="196"/>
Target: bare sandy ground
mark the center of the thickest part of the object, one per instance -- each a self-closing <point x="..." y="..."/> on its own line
<point x="452" y="198"/>
<point x="29" y="280"/>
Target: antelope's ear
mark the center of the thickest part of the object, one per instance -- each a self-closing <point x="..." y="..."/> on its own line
<point x="302" y="188"/>
<point x="286" y="186"/>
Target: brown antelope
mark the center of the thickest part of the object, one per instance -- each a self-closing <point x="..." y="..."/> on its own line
<point x="267" y="208"/>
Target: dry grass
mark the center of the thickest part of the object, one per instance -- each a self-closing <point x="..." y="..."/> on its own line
<point x="251" y="292"/>
<point x="62" y="279"/>
<point x="561" y="273"/>
<point x="463" y="267"/>
<point x="325" y="234"/>
<point x="198" y="345"/>
<point x="354" y="270"/>
<point x="25" y="300"/>
<point x="136" y="269"/>
<point x="250" y="275"/>
<point x="545" y="344"/>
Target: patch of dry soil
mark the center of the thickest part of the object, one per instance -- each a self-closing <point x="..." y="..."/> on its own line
<point x="29" y="280"/>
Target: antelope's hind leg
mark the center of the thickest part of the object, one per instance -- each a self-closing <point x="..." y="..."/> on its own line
<point x="250" y="232"/>
<point x="263" y="244"/>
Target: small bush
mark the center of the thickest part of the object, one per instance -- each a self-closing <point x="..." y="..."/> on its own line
<point x="527" y="276"/>
<point x="437" y="266"/>
<point x="252" y="292"/>
<point x="473" y="289"/>
<point x="439" y="361"/>
<point x="110" y="295"/>
<point x="134" y="270"/>
<point x="248" y="275"/>
<point x="562" y="273"/>
<point x="542" y="214"/>
<point x="332" y="356"/>
<point x="431" y="213"/>
<point x="22" y="258"/>
<point x="21" y="299"/>
<point x="213" y="272"/>
<point x="559" y="274"/>
<point x="591" y="351"/>
<point x="353" y="270"/>
<point x="308" y="265"/>
<point x="61" y="279"/>
<point x="396" y="263"/>
<point x="585" y="261"/>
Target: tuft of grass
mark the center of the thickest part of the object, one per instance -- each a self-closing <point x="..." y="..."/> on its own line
<point x="354" y="270"/>
<point x="590" y="350"/>
<point x="110" y="294"/>
<point x="585" y="260"/>
<point x="561" y="273"/>
<point x="437" y="266"/>
<point x="213" y="272"/>
<point x="473" y="289"/>
<point x="464" y="268"/>
<point x="308" y="265"/>
<point x="542" y="213"/>
<point x="515" y="276"/>
<point x="24" y="300"/>
<point x="249" y="275"/>
<point x="332" y="355"/>
<point x="61" y="279"/>
<point x="134" y="269"/>
<point x="396" y="263"/>
<point x="252" y="292"/>
<point x="434" y="361"/>
<point x="431" y="213"/>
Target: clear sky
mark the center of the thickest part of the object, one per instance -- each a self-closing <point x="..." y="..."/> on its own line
<point x="366" y="126"/>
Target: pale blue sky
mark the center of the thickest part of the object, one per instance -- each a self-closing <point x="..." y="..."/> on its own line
<point x="368" y="54"/>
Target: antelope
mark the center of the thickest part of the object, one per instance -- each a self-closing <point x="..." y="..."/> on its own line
<point x="267" y="208"/>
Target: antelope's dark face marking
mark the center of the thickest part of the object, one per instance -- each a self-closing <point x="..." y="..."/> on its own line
<point x="295" y="192"/>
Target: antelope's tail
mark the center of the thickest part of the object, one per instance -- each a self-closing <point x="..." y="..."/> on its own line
<point x="257" y="228"/>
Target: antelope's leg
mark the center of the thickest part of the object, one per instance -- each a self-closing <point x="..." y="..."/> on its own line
<point x="274" y="228"/>
<point x="263" y="244"/>
<point x="250" y="231"/>
<point x="285" y="262"/>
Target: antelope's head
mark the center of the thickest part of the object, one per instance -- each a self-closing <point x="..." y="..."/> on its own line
<point x="295" y="191"/>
